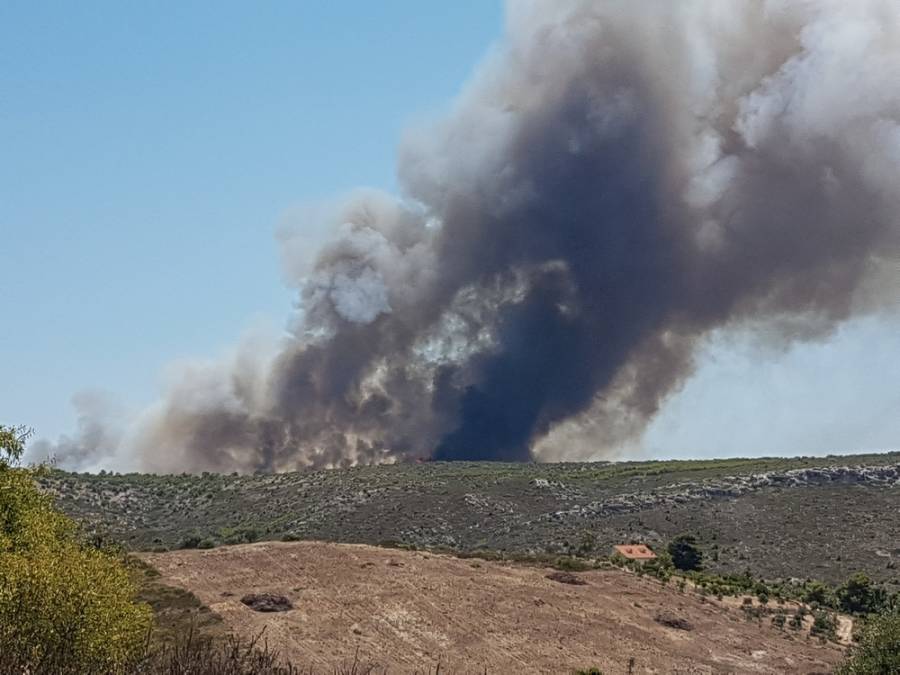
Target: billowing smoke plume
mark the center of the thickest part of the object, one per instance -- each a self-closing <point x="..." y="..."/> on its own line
<point x="618" y="180"/>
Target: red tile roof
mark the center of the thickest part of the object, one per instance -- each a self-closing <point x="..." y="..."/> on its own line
<point x="635" y="551"/>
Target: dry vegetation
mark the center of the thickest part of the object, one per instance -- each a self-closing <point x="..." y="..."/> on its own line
<point x="358" y="610"/>
<point x="828" y="527"/>
<point x="405" y="611"/>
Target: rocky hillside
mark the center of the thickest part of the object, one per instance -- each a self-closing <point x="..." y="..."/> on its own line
<point x="823" y="518"/>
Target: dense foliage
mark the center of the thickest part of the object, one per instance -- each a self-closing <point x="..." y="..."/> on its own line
<point x="65" y="606"/>
<point x="860" y="596"/>
<point x="685" y="552"/>
<point x="878" y="651"/>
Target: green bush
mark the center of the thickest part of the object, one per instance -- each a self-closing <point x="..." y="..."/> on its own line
<point x="587" y="542"/>
<point x="824" y="625"/>
<point x="239" y="535"/>
<point x="859" y="596"/>
<point x="878" y="651"/>
<point x="817" y="593"/>
<point x="190" y="542"/>
<point x="65" y="607"/>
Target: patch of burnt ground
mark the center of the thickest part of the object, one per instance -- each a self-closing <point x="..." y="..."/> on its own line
<point x="666" y="618"/>
<point x="267" y="602"/>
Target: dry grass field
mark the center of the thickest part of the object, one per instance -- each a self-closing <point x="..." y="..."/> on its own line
<point x="410" y="611"/>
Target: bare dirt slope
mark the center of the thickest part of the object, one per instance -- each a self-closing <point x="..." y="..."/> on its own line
<point x="409" y="611"/>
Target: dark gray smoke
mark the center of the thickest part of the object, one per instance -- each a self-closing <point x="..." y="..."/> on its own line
<point x="619" y="180"/>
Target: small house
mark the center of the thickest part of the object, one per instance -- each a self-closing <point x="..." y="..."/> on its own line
<point x="638" y="552"/>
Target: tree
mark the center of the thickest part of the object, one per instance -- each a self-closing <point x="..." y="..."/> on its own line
<point x="817" y="593"/>
<point x="686" y="554"/>
<point x="859" y="596"/>
<point x="65" y="607"/>
<point x="12" y="444"/>
<point x="878" y="651"/>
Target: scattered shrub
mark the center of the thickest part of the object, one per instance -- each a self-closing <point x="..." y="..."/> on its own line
<point x="824" y="625"/>
<point x="586" y="542"/>
<point x="190" y="542"/>
<point x="194" y="655"/>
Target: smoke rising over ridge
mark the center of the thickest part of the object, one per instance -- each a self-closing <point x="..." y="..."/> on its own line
<point x="615" y="183"/>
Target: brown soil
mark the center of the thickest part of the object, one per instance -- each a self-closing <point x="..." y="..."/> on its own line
<point x="410" y="611"/>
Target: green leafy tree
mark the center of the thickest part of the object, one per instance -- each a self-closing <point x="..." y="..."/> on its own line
<point x="65" y="607"/>
<point x="878" y="651"/>
<point x="817" y="593"/>
<point x="12" y="444"/>
<point x="686" y="554"/>
<point x="860" y="596"/>
<point x="824" y="625"/>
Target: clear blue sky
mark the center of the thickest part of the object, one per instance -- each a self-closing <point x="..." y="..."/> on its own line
<point x="148" y="150"/>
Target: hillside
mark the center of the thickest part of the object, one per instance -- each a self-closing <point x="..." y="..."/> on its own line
<point x="404" y="611"/>
<point x="822" y="518"/>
